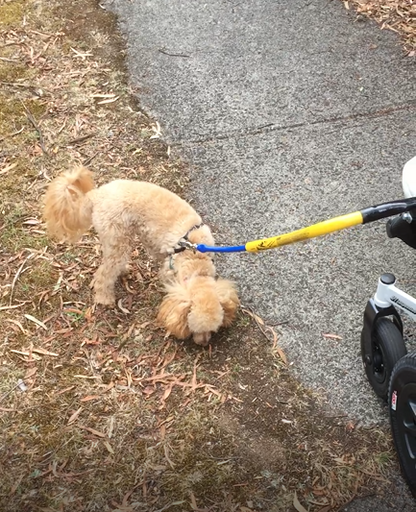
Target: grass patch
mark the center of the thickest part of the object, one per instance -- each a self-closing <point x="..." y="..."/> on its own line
<point x="15" y="72"/>
<point x="11" y="114"/>
<point x="39" y="276"/>
<point x="15" y="236"/>
<point x="11" y="13"/>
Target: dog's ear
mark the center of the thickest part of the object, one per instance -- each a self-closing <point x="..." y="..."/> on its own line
<point x="227" y="295"/>
<point x="173" y="312"/>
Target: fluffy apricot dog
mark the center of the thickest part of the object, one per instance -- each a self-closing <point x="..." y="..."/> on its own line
<point x="197" y="303"/>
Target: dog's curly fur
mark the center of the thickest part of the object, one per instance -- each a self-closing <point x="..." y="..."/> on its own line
<point x="196" y="303"/>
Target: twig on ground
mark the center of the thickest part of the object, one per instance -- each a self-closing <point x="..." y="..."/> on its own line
<point x="4" y="308"/>
<point x="78" y="140"/>
<point x="19" y="383"/>
<point x="36" y="90"/>
<point x="259" y="321"/>
<point x="263" y="328"/>
<point x="13" y="61"/>
<point x="162" y="50"/>
<point x="36" y="127"/>
<point x="87" y="161"/>
<point x="16" y="277"/>
<point x="10" y="135"/>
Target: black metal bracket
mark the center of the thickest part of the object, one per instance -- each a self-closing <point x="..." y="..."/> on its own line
<point x="398" y="227"/>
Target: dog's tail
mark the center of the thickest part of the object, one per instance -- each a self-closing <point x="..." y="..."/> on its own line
<point x="68" y="208"/>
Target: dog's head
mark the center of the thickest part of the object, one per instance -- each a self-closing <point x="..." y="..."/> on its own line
<point x="198" y="307"/>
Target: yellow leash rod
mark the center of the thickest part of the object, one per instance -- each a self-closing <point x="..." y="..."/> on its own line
<point x="319" y="229"/>
<point x="370" y="214"/>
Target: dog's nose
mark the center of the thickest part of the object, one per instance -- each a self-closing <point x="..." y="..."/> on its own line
<point x="202" y="338"/>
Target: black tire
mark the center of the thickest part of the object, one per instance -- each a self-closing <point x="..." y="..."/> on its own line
<point x="380" y="356"/>
<point x="402" y="406"/>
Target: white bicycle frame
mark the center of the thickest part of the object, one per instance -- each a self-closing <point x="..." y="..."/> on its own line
<point x="388" y="294"/>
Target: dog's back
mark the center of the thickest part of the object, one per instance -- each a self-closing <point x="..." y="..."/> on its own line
<point x="159" y="217"/>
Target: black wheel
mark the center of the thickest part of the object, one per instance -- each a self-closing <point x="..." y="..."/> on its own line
<point x="402" y="405"/>
<point x="381" y="353"/>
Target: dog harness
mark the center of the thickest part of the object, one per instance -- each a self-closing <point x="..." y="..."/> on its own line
<point x="184" y="242"/>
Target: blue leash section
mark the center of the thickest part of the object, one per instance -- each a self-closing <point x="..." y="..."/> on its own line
<point x="207" y="248"/>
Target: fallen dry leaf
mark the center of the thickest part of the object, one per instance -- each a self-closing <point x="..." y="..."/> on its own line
<point x="108" y="446"/>
<point x="332" y="336"/>
<point x="89" y="398"/>
<point x="92" y="431"/>
<point x="36" y="321"/>
<point x="74" y="416"/>
<point x="8" y="168"/>
<point x="104" y="102"/>
<point x="44" y="352"/>
<point x="298" y="506"/>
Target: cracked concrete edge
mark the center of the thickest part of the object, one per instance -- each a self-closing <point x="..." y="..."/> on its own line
<point x="271" y="127"/>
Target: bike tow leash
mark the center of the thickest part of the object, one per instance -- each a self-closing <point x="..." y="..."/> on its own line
<point x="364" y="216"/>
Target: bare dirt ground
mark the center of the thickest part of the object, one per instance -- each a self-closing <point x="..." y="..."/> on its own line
<point x="99" y="410"/>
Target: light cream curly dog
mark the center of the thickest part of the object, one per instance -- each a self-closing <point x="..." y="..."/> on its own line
<point x="196" y="302"/>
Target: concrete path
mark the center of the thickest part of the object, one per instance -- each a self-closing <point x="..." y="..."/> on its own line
<point x="289" y="113"/>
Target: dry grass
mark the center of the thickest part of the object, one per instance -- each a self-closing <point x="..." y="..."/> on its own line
<point x="111" y="415"/>
<point x="396" y="15"/>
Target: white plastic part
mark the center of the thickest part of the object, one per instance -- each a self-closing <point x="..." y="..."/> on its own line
<point x="409" y="178"/>
<point x="389" y="295"/>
